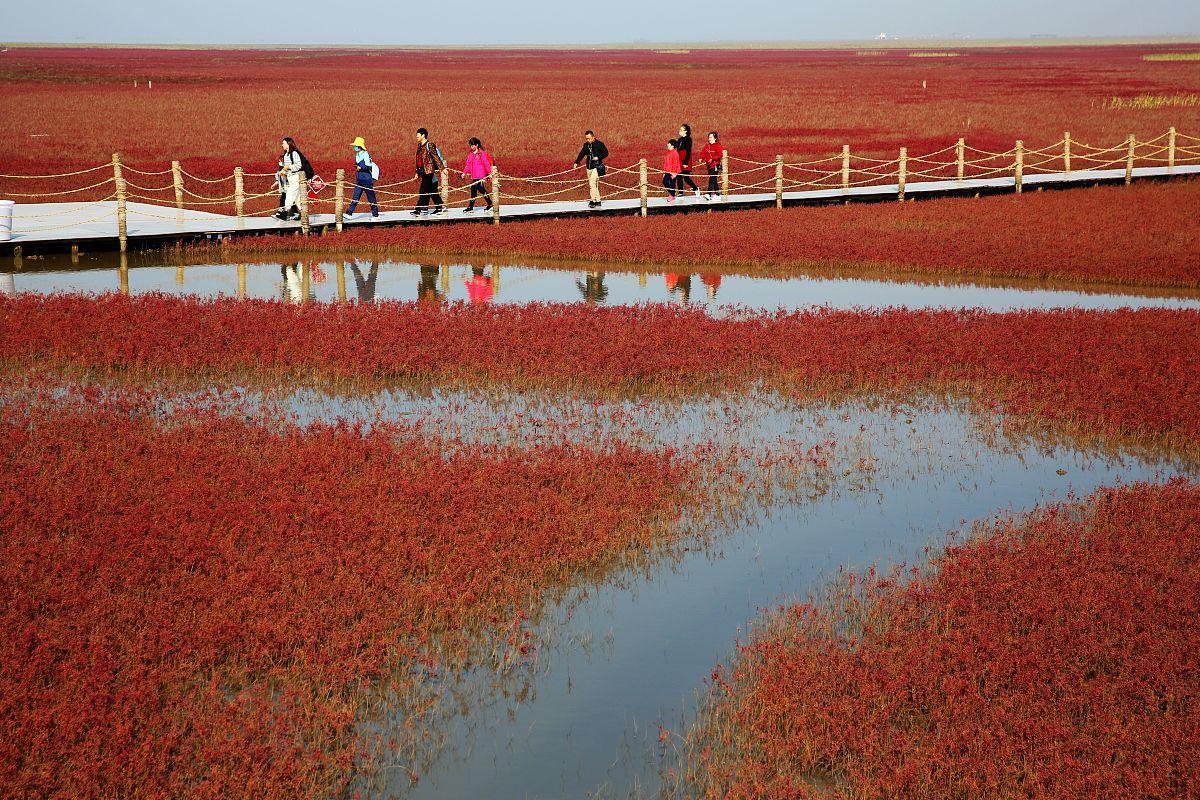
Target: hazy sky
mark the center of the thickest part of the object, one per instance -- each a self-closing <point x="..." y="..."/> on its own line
<point x="575" y="21"/>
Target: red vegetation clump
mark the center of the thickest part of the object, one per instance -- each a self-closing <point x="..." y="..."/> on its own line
<point x="797" y="103"/>
<point x="1077" y="236"/>
<point x="200" y="606"/>
<point x="1053" y="656"/>
<point x="1128" y="374"/>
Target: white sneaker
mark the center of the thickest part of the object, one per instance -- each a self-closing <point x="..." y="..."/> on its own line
<point x="697" y="194"/>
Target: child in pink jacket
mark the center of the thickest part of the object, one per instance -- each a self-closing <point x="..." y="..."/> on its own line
<point x="477" y="170"/>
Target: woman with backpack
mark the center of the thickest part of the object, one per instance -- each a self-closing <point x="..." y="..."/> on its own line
<point x="684" y="146"/>
<point x="672" y="166"/>
<point x="289" y="180"/>
<point x="366" y="172"/>
<point x="712" y="155"/>
<point x="477" y="170"/>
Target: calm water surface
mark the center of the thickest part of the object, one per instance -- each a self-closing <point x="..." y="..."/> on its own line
<point x="366" y="281"/>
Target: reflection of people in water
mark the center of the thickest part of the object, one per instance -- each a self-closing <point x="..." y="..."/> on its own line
<point x="293" y="284"/>
<point x="479" y="286"/>
<point x="366" y="286"/>
<point x="712" y="282"/>
<point x="681" y="285"/>
<point x="427" y="287"/>
<point x="593" y="288"/>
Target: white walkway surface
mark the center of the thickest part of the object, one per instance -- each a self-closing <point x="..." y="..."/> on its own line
<point x="48" y="223"/>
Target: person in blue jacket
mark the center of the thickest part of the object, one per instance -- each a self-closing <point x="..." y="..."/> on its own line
<point x="365" y="173"/>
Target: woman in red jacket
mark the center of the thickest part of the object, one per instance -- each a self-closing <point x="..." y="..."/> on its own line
<point x="711" y="155"/>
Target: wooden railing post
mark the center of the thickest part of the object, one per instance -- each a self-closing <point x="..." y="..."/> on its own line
<point x="303" y="205"/>
<point x="643" y="187"/>
<point x="123" y="274"/>
<point x="495" y="195"/>
<point x="724" y="173"/>
<point x="444" y="186"/>
<point x="341" y="280"/>
<point x="845" y="169"/>
<point x="1171" y="150"/>
<point x="239" y="192"/>
<point x="960" y="153"/>
<point x="1019" y="166"/>
<point x="119" y="185"/>
<point x="901" y="174"/>
<point x="339" y="199"/>
<point x="1067" y="154"/>
<point x="779" y="181"/>
<point x="177" y="181"/>
<point x="1129" y="160"/>
<point x="305" y="281"/>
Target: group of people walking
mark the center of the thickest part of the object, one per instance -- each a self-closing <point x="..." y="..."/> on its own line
<point x="429" y="165"/>
<point x="680" y="161"/>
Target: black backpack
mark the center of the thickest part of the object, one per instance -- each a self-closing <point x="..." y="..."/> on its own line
<point x="306" y="167"/>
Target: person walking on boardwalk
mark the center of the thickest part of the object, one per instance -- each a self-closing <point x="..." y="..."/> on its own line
<point x="684" y="146"/>
<point x="672" y="166"/>
<point x="592" y="156"/>
<point x="366" y="172"/>
<point x="478" y="169"/>
<point x="712" y="155"/>
<point x="289" y="180"/>
<point x="429" y="165"/>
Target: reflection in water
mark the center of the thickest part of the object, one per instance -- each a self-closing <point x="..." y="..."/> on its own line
<point x="680" y="285"/>
<point x="722" y="292"/>
<point x="292" y="290"/>
<point x="479" y="286"/>
<point x="7" y="284"/>
<point x="592" y="287"/>
<point x="427" y="286"/>
<point x="365" y="286"/>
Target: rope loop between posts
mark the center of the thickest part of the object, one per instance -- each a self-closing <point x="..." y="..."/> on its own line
<point x="57" y="174"/>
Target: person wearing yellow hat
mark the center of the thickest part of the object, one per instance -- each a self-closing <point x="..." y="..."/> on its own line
<point x="366" y="172"/>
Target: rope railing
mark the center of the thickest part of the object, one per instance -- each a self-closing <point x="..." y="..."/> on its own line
<point x="960" y="161"/>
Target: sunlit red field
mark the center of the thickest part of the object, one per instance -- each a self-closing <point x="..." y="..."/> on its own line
<point x="1131" y="375"/>
<point x="204" y="593"/>
<point x="214" y="110"/>
<point x="1053" y="657"/>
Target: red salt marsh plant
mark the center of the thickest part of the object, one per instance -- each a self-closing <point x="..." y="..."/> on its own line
<point x="1132" y="376"/>
<point x="200" y="605"/>
<point x="799" y="103"/>
<point x="1053" y="656"/>
<point x="1142" y="235"/>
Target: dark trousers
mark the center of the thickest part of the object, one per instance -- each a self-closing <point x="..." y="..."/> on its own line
<point x="686" y="177"/>
<point x="479" y="189"/>
<point x="713" y="186"/>
<point x="670" y="183"/>
<point x="428" y="193"/>
<point x="363" y="183"/>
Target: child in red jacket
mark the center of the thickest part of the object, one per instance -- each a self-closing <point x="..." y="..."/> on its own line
<point x="672" y="166"/>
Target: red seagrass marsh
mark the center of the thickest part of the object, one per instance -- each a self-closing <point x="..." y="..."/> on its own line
<point x="860" y="500"/>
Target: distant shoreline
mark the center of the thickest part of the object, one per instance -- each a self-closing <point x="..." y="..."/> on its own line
<point x="899" y="43"/>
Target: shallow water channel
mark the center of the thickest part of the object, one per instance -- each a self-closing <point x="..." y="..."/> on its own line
<point x="627" y="654"/>
<point x="367" y="280"/>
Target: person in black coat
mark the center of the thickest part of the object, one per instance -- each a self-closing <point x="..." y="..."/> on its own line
<point x="592" y="156"/>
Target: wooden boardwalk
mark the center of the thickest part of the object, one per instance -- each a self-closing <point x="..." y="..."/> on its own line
<point x="48" y="227"/>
